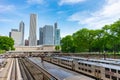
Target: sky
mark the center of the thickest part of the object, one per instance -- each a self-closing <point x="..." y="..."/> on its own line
<point x="71" y="15"/>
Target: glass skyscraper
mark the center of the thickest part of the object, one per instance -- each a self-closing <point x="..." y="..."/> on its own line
<point x="21" y="29"/>
<point x="49" y="35"/>
<point x="56" y="35"/>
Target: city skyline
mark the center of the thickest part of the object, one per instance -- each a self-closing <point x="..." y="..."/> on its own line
<point x="71" y="15"/>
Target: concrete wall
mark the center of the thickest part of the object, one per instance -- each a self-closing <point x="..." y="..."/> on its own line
<point x="30" y="48"/>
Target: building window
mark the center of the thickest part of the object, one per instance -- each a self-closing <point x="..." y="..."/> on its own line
<point x="114" y="78"/>
<point x="107" y="76"/>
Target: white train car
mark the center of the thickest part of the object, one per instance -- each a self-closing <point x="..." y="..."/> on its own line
<point x="66" y="62"/>
<point x="47" y="58"/>
<point x="89" y="68"/>
<point x="100" y="69"/>
<point x="55" y="60"/>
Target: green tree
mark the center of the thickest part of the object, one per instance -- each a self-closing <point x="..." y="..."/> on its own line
<point x="67" y="44"/>
<point x="100" y="40"/>
<point x="57" y="47"/>
<point x="81" y="40"/>
<point x="6" y="43"/>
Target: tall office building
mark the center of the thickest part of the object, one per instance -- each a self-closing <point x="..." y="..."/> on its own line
<point x="56" y="35"/>
<point x="17" y="37"/>
<point x="21" y="29"/>
<point x="40" y="36"/>
<point x="48" y="38"/>
<point x="32" y="32"/>
<point x="49" y="35"/>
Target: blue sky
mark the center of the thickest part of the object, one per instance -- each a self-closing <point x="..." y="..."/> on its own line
<point x="71" y="15"/>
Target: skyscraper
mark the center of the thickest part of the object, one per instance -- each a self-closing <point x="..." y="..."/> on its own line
<point x="21" y="29"/>
<point x="48" y="38"/>
<point x="18" y="35"/>
<point x="40" y="36"/>
<point x="32" y="32"/>
<point x="56" y="35"/>
<point x="49" y="35"/>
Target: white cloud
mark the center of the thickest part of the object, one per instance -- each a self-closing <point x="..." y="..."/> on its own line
<point x="109" y="13"/>
<point x="5" y="8"/>
<point x="70" y="1"/>
<point x="34" y="1"/>
<point x="6" y="20"/>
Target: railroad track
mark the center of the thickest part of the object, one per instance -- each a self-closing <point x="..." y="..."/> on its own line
<point x="31" y="71"/>
<point x="13" y="75"/>
<point x="25" y="72"/>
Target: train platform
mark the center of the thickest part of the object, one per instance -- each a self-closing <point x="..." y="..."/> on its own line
<point x="4" y="70"/>
<point x="59" y="72"/>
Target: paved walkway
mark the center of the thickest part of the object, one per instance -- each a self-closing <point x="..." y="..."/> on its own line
<point x="59" y="72"/>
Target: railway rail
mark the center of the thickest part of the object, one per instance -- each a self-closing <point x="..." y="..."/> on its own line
<point x="30" y="71"/>
<point x="14" y="71"/>
<point x="25" y="73"/>
<point x="12" y="74"/>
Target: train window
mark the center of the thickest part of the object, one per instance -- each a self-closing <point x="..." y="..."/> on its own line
<point x="107" y="69"/>
<point x="119" y="71"/>
<point x="95" y="70"/>
<point x="113" y="70"/>
<point x="85" y="69"/>
<point x="82" y="63"/>
<point x="114" y="78"/>
<point x="119" y="79"/>
<point x="99" y="71"/>
<point x="89" y="71"/>
<point x="89" y="65"/>
<point x="85" y="64"/>
<point x="79" y="63"/>
<point x="107" y="76"/>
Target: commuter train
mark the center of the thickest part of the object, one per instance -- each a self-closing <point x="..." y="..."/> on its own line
<point x="100" y="69"/>
<point x="105" y="61"/>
